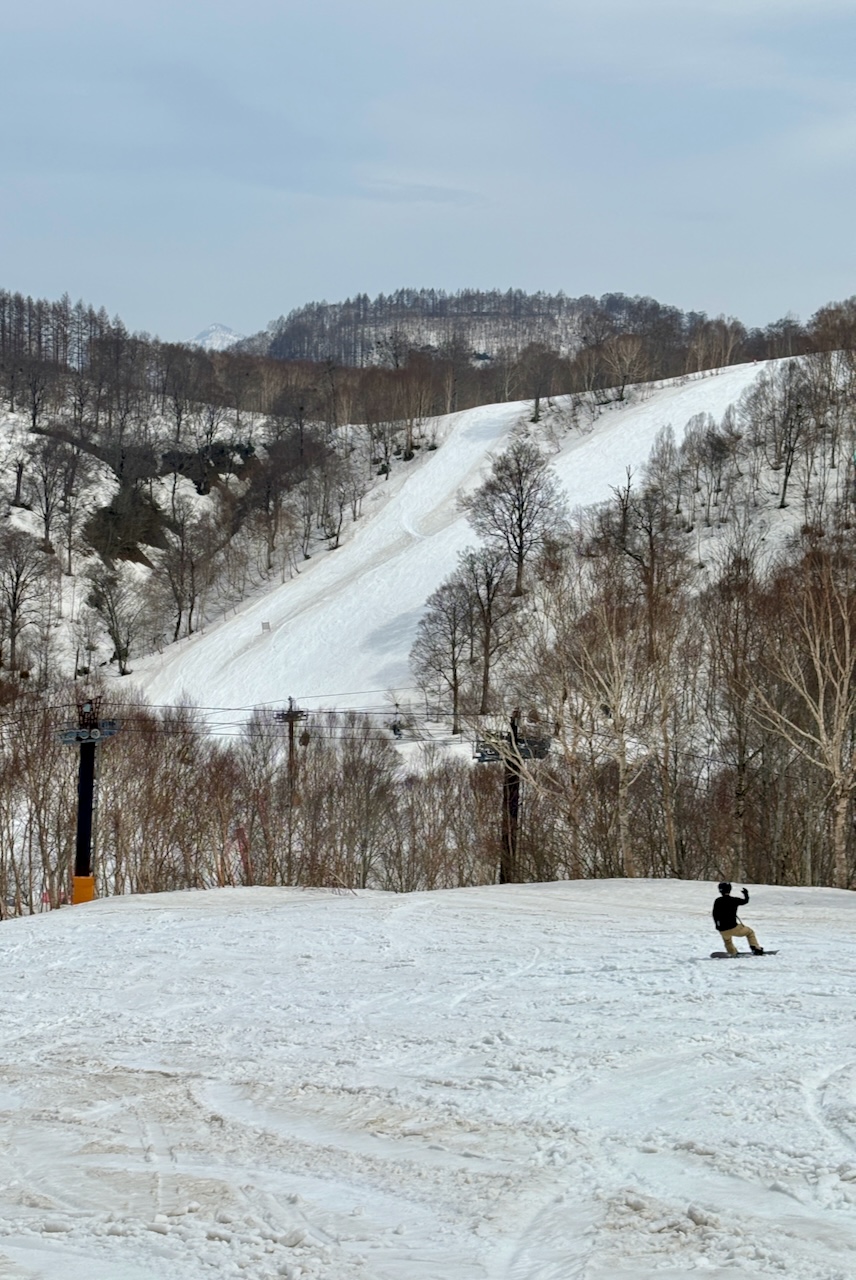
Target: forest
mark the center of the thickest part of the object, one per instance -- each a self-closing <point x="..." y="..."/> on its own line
<point x="499" y="326"/>
<point x="697" y="695"/>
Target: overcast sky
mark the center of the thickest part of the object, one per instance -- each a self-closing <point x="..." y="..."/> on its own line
<point x="189" y="161"/>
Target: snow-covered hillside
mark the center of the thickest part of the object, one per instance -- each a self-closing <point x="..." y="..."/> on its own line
<point x="341" y="633"/>
<point x="216" y="337"/>
<point x="542" y="1082"/>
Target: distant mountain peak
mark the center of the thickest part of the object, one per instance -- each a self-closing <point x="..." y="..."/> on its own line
<point x="217" y="337"/>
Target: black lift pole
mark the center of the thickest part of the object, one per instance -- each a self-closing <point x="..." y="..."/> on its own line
<point x="88" y="733"/>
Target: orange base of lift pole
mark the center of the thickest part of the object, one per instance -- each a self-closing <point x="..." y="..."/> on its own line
<point x="82" y="889"/>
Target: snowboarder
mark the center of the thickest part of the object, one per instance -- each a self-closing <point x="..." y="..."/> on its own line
<point x="725" y="919"/>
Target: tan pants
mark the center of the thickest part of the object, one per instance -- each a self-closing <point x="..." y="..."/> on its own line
<point x="741" y="931"/>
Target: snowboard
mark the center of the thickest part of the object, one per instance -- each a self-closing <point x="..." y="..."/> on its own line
<point x="723" y="955"/>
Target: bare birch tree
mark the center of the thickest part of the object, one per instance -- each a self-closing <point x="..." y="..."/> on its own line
<point x="810" y="658"/>
<point x="518" y="506"/>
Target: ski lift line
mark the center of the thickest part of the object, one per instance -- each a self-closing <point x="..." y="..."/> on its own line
<point x="247" y="721"/>
<point x="138" y="716"/>
<point x="413" y="717"/>
<point x="238" y="728"/>
<point x="143" y="725"/>
<point x="415" y="720"/>
<point x="260" y="706"/>
<point x="238" y="731"/>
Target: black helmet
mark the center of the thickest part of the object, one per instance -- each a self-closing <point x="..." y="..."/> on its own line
<point x="725" y="887"/>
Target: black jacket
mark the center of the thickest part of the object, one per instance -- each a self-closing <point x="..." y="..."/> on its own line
<point x="725" y="911"/>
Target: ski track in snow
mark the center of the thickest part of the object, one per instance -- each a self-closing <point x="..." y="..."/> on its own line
<point x="546" y="1082"/>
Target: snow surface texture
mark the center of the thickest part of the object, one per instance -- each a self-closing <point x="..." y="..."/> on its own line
<point x="341" y="633"/>
<point x="541" y="1082"/>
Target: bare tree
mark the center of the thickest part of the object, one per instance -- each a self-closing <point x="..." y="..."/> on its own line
<point x="189" y="561"/>
<point x="379" y="411"/>
<point x="586" y="664"/>
<point x="442" y="640"/>
<point x="121" y="608"/>
<point x="518" y="506"/>
<point x="40" y="383"/>
<point x="537" y="368"/>
<point x="775" y="413"/>
<point x="639" y="524"/>
<point x="271" y="479"/>
<point x="76" y="470"/>
<point x="625" y="361"/>
<point x="45" y="482"/>
<point x="22" y="568"/>
<point x="805" y="683"/>
<point x="485" y="575"/>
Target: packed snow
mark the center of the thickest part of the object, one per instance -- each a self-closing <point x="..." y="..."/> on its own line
<point x="541" y="1082"/>
<point x="339" y="635"/>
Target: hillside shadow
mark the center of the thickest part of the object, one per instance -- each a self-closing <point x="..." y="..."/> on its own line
<point x="393" y="635"/>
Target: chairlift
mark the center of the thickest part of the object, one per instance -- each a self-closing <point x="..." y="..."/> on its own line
<point x="491" y="750"/>
<point x="486" y="751"/>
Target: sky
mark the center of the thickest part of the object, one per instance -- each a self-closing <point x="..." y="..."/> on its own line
<point x="544" y="1080"/>
<point x="192" y="161"/>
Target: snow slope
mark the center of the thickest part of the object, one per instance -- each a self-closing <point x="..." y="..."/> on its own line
<point x="542" y="1082"/>
<point x="340" y="634"/>
<point x="216" y="337"/>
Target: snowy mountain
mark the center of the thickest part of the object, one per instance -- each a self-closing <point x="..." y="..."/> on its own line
<point x="541" y="1082"/>
<point x="217" y="337"/>
<point x="339" y="634"/>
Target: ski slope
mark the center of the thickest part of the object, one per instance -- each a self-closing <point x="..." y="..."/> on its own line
<point x="541" y="1082"/>
<point x="339" y="634"/>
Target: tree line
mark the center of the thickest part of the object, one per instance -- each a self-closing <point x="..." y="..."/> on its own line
<point x="180" y="808"/>
<point x="493" y="325"/>
<point x="436" y="352"/>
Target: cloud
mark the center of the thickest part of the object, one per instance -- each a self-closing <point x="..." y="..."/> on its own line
<point x="393" y="192"/>
<point x="823" y="142"/>
<point x="156" y="120"/>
